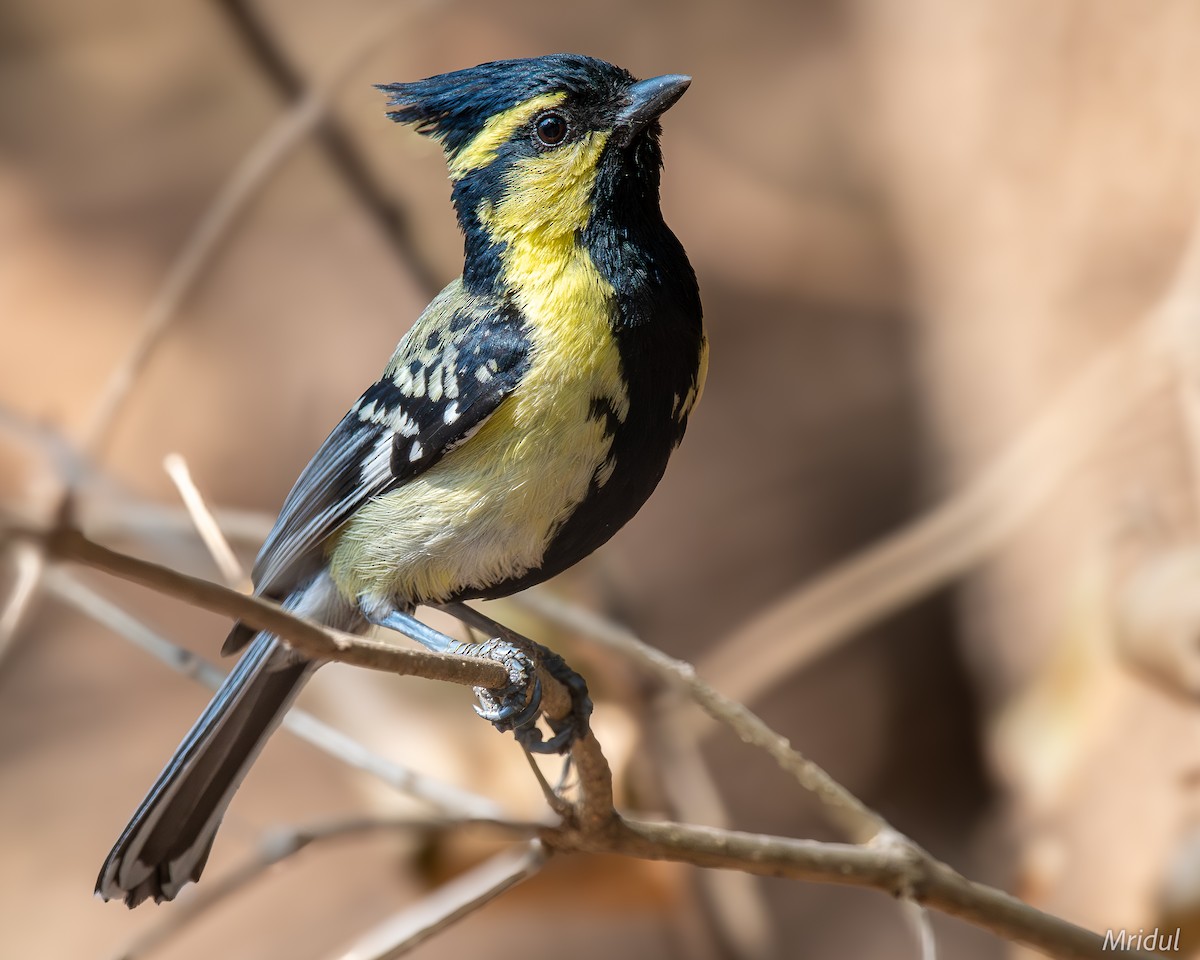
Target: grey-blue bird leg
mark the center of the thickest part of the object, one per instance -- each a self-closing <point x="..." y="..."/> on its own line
<point x="566" y="730"/>
<point x="513" y="707"/>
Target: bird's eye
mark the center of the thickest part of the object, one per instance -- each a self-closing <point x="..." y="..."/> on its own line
<point x="551" y="129"/>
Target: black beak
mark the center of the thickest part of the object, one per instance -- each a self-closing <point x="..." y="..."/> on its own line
<point x="647" y="99"/>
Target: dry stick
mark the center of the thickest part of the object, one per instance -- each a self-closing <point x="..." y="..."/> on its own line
<point x="206" y="524"/>
<point x="448" y="904"/>
<point x="272" y="58"/>
<point x="891" y="863"/>
<point x="735" y="904"/>
<point x="278" y="846"/>
<point x="858" y="821"/>
<point x="921" y="924"/>
<point x="956" y="536"/>
<point x="198" y="252"/>
<point x="310" y="639"/>
<point x="29" y="563"/>
<point x="446" y="798"/>
<point x="897" y="870"/>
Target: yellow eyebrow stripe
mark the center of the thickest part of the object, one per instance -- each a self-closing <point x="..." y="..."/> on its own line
<point x="482" y="149"/>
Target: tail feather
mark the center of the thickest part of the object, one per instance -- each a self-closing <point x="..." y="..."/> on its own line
<point x="167" y="842"/>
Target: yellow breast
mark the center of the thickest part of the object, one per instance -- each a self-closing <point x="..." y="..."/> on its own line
<point x="486" y="512"/>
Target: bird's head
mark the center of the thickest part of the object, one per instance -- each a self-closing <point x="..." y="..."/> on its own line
<point x="538" y="147"/>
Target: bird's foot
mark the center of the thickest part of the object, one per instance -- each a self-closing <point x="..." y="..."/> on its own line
<point x="518" y="704"/>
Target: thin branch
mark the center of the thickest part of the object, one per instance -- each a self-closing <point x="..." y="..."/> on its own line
<point x="919" y="921"/>
<point x="29" y="563"/>
<point x="858" y="821"/>
<point x="277" y="847"/>
<point x="890" y="863"/>
<point x="334" y="140"/>
<point x="444" y="797"/>
<point x="200" y="249"/>
<point x="735" y="905"/>
<point x="197" y="254"/>
<point x="206" y="524"/>
<point x="309" y="638"/>
<point x="448" y="904"/>
<point x="956" y="536"/>
<point x="897" y="870"/>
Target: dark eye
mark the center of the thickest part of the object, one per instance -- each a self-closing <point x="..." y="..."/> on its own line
<point x="551" y="129"/>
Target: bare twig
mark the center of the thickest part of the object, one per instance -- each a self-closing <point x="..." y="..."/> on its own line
<point x="957" y="535"/>
<point x="890" y="863"/>
<point x="197" y="254"/>
<point x="28" y="563"/>
<point x="919" y="922"/>
<point x="444" y="797"/>
<point x="310" y="639"/>
<point x="897" y="870"/>
<point x="858" y="821"/>
<point x="734" y="902"/>
<point x="278" y="846"/>
<point x="449" y="903"/>
<point x="272" y="58"/>
<point x="200" y="249"/>
<point x="206" y="524"/>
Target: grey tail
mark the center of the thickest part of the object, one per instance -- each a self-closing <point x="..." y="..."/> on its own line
<point x="167" y="842"/>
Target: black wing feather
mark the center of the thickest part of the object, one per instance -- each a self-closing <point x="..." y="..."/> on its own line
<point x="448" y="375"/>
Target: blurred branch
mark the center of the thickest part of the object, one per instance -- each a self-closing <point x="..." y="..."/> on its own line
<point x="332" y="137"/>
<point x="206" y="524"/>
<point x="448" y="904"/>
<point x="921" y="925"/>
<point x="189" y="266"/>
<point x="29" y="564"/>
<point x="446" y="798"/>
<point x="898" y="870"/>
<point x="309" y="638"/>
<point x="279" y="846"/>
<point x="858" y="821"/>
<point x="969" y="527"/>
<point x="735" y="908"/>
<point x="890" y="863"/>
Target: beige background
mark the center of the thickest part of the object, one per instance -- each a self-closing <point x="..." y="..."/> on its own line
<point x="913" y="225"/>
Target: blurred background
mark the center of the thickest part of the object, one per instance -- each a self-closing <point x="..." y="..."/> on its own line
<point x="943" y="250"/>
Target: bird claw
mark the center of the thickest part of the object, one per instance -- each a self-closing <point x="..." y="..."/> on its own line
<point x="517" y="705"/>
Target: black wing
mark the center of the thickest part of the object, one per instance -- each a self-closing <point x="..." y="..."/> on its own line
<point x="447" y="376"/>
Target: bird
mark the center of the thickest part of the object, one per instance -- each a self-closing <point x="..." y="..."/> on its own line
<point x="524" y="418"/>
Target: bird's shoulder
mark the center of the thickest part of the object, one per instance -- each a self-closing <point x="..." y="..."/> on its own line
<point x="448" y="374"/>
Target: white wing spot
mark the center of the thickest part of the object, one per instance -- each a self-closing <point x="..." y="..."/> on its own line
<point x="406" y="426"/>
<point x="416" y="452"/>
<point x="378" y="464"/>
<point x="450" y="414"/>
<point x="483" y="374"/>
<point x="404" y="381"/>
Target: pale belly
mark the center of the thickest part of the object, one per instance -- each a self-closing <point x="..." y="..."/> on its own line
<point x="482" y="515"/>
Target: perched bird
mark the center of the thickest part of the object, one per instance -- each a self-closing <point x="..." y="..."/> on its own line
<point x="522" y="420"/>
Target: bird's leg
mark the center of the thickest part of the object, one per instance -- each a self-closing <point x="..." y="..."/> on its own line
<point x="515" y="706"/>
<point x="566" y="729"/>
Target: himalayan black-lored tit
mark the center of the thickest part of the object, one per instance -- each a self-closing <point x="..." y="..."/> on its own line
<point x="522" y="420"/>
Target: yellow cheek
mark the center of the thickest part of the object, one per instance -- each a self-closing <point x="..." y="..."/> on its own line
<point x="547" y="196"/>
<point x="482" y="149"/>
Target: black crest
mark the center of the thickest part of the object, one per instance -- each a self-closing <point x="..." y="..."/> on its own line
<point x="453" y="107"/>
